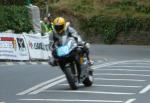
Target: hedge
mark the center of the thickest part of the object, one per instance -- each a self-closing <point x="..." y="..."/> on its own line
<point x="15" y="18"/>
<point x="110" y="26"/>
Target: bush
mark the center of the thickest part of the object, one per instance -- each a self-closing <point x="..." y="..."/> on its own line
<point x="83" y="6"/>
<point x="110" y="26"/>
<point x="105" y="19"/>
<point x="142" y="8"/>
<point x="14" y="18"/>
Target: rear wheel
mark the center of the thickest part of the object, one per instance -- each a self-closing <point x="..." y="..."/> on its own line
<point x="89" y="80"/>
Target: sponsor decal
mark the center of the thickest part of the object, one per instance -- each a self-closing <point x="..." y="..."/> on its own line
<point x="39" y="46"/>
<point x="21" y="44"/>
<point x="8" y="42"/>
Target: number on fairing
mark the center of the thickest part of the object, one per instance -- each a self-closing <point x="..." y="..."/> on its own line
<point x="62" y="51"/>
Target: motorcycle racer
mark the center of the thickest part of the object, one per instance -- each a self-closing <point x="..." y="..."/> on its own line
<point x="62" y="30"/>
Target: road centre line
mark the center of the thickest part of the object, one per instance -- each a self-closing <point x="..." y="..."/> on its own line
<point x="134" y="70"/>
<point x="113" y="74"/>
<point x="39" y="85"/>
<point x="94" y="92"/>
<point x="130" y="100"/>
<point x="73" y="100"/>
<point x="120" y="86"/>
<point x="146" y="89"/>
<point x="47" y="86"/>
<point x="133" y="80"/>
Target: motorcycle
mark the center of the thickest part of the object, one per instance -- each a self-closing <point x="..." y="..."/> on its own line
<point x="74" y="63"/>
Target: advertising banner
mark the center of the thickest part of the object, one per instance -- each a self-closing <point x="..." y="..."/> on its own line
<point x="13" y="47"/>
<point x="34" y="44"/>
<point x="38" y="46"/>
<point x="22" y="49"/>
<point x="46" y="47"/>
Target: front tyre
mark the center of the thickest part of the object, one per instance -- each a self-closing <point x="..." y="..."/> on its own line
<point x="89" y="80"/>
<point x="71" y="78"/>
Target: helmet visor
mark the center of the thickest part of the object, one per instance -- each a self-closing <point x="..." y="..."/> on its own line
<point x="59" y="28"/>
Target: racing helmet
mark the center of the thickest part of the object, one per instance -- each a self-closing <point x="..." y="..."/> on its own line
<point x="59" y="24"/>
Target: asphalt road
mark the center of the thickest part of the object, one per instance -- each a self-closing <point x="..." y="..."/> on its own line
<point x="121" y="75"/>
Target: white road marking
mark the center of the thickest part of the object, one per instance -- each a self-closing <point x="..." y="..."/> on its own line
<point x="100" y="61"/>
<point x="120" y="86"/>
<point x="10" y="63"/>
<point x="146" y="89"/>
<point x="100" y="58"/>
<point x="21" y="63"/>
<point x="73" y="100"/>
<point x="140" y="61"/>
<point x="39" y="85"/>
<point x="47" y="86"/>
<point x="44" y="62"/>
<point x="113" y="74"/>
<point x="133" y="80"/>
<point x="54" y="82"/>
<point x="33" y="63"/>
<point x="130" y="66"/>
<point x="137" y="63"/>
<point x="134" y="70"/>
<point x="41" y="89"/>
<point x="94" y="92"/>
<point x="107" y="64"/>
<point x="118" y="62"/>
<point x="130" y="101"/>
<point x="2" y="102"/>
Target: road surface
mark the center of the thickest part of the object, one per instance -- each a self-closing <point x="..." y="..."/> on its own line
<point x="121" y="75"/>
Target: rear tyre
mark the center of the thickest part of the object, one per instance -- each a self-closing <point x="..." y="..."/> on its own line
<point x="89" y="80"/>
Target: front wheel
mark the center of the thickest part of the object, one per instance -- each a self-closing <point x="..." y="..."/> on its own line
<point x="89" y="80"/>
<point x="71" y="76"/>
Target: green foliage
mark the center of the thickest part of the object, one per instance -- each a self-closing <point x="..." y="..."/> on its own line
<point x="106" y="18"/>
<point x="110" y="26"/>
<point x="12" y="2"/>
<point x="14" y="18"/>
<point x="142" y="8"/>
<point x="128" y="2"/>
<point x="83" y="6"/>
<point x="130" y="6"/>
